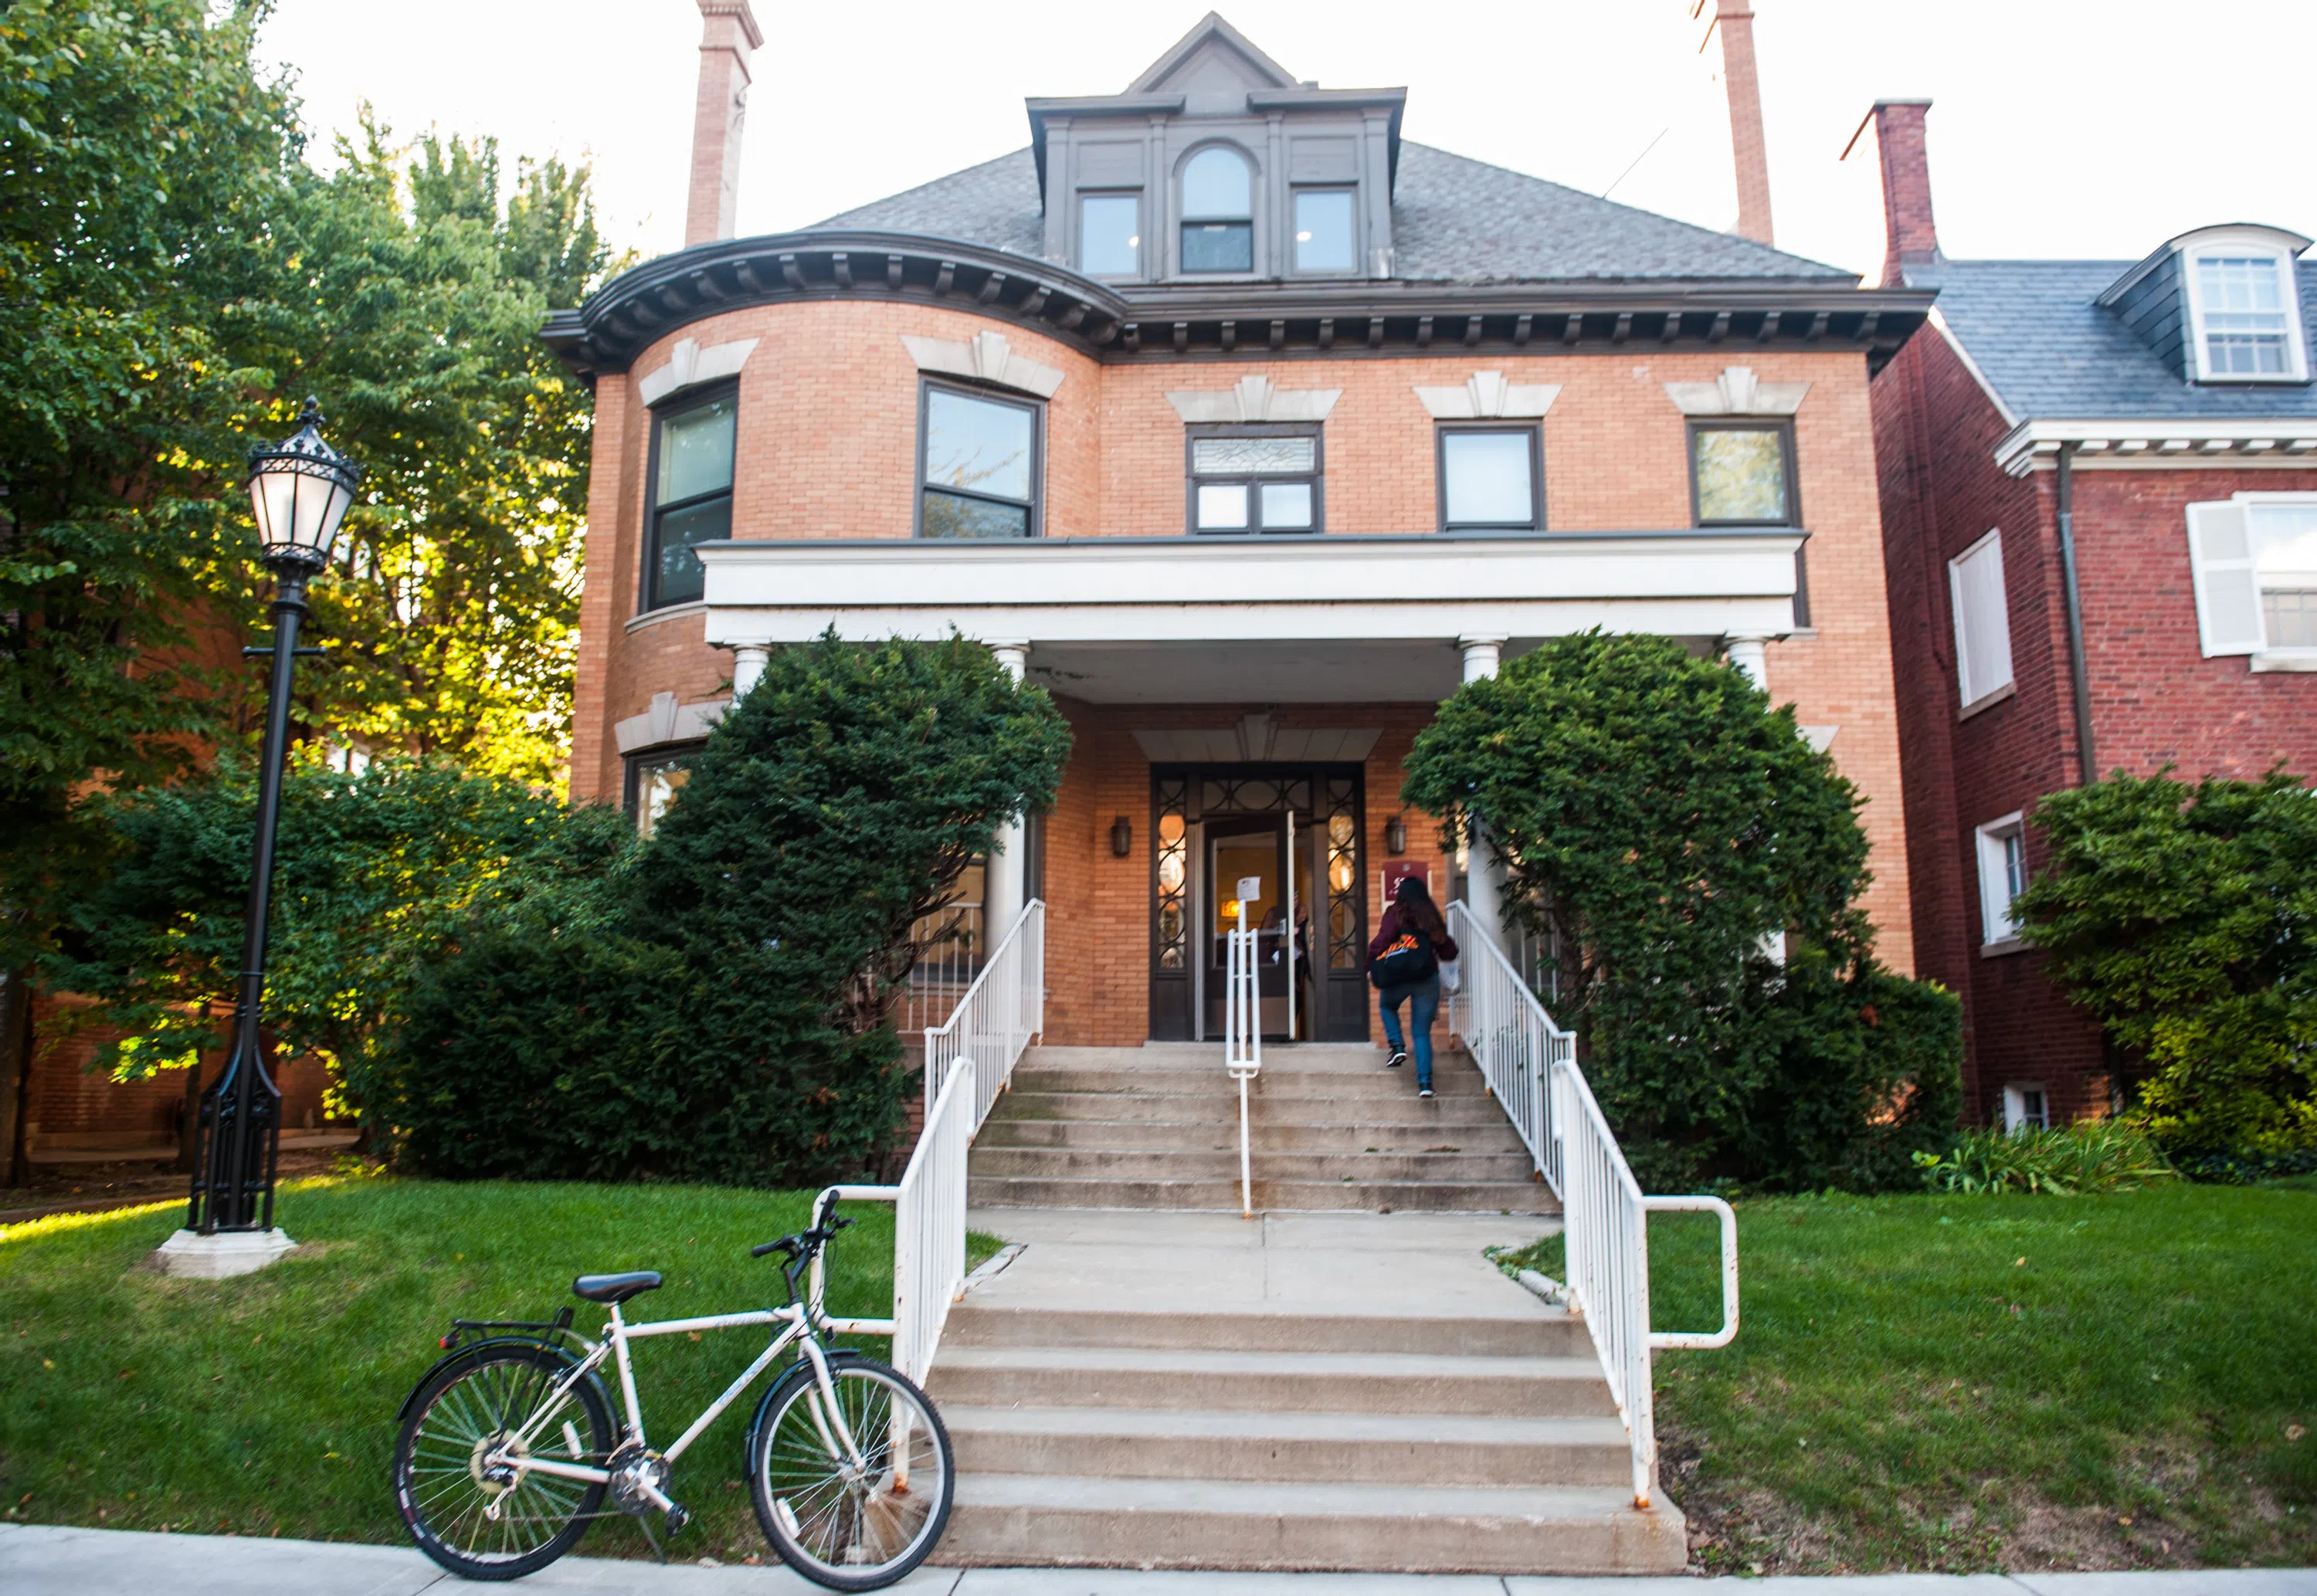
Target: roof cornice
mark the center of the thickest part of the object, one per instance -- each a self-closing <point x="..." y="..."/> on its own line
<point x="1223" y="320"/>
<point x="2179" y="443"/>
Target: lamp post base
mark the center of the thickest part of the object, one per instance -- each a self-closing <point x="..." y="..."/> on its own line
<point x="192" y="1256"/>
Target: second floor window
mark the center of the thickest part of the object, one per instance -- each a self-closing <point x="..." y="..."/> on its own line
<point x="1741" y="474"/>
<point x="1982" y="622"/>
<point x="1218" y="213"/>
<point x="978" y="465"/>
<point x="1489" y="479"/>
<point x="1246" y="479"/>
<point x="692" y="497"/>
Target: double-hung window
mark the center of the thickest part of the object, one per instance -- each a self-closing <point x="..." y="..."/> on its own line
<point x="2002" y="878"/>
<point x="1255" y="479"/>
<point x="654" y="781"/>
<point x="1490" y="479"/>
<point x="978" y="465"/>
<point x="1218" y="212"/>
<point x="692" y="495"/>
<point x="2026" y="1107"/>
<point x="2254" y="559"/>
<point x="2245" y="310"/>
<point x="1982" y="623"/>
<point x="1742" y="473"/>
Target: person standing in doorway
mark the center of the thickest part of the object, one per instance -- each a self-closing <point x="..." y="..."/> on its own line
<point x="1404" y="966"/>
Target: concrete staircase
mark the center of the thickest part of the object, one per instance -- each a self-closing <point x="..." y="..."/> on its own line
<point x="1288" y="1440"/>
<point x="1157" y="1127"/>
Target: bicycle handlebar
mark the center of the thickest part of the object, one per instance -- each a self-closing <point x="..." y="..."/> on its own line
<point x="804" y="1241"/>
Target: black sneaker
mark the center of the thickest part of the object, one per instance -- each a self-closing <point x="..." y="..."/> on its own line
<point x="1424" y="1091"/>
<point x="1396" y="1060"/>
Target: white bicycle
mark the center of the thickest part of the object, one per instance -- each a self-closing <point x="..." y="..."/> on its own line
<point x="506" y="1448"/>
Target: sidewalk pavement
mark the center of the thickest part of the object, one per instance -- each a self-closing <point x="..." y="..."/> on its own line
<point x="45" y="1560"/>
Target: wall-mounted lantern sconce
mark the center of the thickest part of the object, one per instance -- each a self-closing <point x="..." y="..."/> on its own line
<point x="1395" y="836"/>
<point x="1122" y="837"/>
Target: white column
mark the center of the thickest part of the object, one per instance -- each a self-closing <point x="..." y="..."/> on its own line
<point x="1747" y="653"/>
<point x="1484" y="877"/>
<point x="1003" y="886"/>
<point x="748" y="660"/>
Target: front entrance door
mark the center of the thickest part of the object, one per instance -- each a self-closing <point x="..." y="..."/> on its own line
<point x="1215" y="825"/>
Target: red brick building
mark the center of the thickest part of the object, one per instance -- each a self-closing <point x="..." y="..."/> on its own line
<point x="1250" y="429"/>
<point x="2099" y="516"/>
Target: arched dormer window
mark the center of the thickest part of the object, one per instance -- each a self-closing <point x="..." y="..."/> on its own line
<point x="1218" y="212"/>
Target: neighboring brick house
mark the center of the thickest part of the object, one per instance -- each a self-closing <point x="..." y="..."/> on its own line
<point x="2158" y="415"/>
<point x="1250" y="429"/>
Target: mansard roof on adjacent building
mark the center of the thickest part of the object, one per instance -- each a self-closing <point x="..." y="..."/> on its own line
<point x="1220" y="206"/>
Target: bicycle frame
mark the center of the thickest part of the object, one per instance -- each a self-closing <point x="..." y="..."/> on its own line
<point x="617" y="1333"/>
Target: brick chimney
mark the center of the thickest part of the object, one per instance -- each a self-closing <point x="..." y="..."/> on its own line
<point x="728" y="33"/>
<point x="1735" y="18"/>
<point x="1910" y="237"/>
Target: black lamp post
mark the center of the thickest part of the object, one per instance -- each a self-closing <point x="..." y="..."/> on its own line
<point x="299" y="490"/>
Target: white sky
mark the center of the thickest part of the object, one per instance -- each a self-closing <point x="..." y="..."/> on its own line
<point x="2084" y="127"/>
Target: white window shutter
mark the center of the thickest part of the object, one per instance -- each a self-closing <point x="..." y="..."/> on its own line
<point x="2228" y="595"/>
<point x="1982" y="620"/>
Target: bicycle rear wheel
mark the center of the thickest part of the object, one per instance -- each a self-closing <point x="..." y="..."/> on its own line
<point x="485" y="1523"/>
<point x="845" y="1525"/>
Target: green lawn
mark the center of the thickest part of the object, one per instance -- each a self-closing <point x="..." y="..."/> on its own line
<point x="266" y="1406"/>
<point x="1974" y="1382"/>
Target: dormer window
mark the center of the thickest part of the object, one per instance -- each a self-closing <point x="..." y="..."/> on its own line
<point x="1218" y="212"/>
<point x="1323" y="230"/>
<point x="2243" y="323"/>
<point x="1110" y="235"/>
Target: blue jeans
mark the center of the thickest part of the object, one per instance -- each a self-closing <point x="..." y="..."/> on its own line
<point x="1423" y="999"/>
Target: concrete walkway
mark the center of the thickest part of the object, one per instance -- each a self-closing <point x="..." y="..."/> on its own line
<point x="39" y="1560"/>
<point x="1315" y="1263"/>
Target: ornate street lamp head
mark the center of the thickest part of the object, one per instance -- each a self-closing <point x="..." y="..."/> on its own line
<point x="299" y="490"/>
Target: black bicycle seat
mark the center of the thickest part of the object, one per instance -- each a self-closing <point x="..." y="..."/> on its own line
<point x="616" y="1287"/>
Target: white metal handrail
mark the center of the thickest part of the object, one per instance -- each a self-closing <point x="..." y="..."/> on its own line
<point x="1530" y="1065"/>
<point x="983" y="1040"/>
<point x="1243" y="1041"/>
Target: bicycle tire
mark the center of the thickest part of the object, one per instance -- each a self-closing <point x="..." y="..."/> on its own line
<point x="463" y="1403"/>
<point x="850" y="1535"/>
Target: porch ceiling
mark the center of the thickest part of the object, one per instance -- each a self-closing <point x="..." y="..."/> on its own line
<point x="1390" y="672"/>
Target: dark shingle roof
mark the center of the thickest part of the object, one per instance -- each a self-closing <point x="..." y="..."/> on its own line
<point x="2032" y="328"/>
<point x="1453" y="220"/>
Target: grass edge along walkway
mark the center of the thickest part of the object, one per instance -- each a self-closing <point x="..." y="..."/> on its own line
<point x="1974" y="1383"/>
<point x="265" y="1405"/>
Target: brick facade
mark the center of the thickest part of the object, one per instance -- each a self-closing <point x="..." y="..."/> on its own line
<point x="2155" y="700"/>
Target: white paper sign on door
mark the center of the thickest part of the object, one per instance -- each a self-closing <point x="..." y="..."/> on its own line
<point x="1250" y="888"/>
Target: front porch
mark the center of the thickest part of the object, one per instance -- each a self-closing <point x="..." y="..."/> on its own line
<point x="1241" y="707"/>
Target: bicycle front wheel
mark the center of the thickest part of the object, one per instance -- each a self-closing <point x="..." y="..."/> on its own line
<point x="856" y="1517"/>
<point x="484" y="1520"/>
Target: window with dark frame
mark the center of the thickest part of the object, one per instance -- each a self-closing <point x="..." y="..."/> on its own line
<point x="690" y="494"/>
<point x="978" y="464"/>
<point x="1741" y="474"/>
<point x="1110" y="235"/>
<point x="1249" y="479"/>
<point x="653" y="778"/>
<point x="1323" y="230"/>
<point x="1218" y="212"/>
<point x="1492" y="479"/>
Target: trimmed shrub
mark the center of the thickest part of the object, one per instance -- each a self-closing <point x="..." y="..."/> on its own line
<point x="2186" y="919"/>
<point x="2097" y="1155"/>
<point x="1661" y="823"/>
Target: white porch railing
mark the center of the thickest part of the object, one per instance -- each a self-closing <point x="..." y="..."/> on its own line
<point x="1530" y="1065"/>
<point x="1243" y="1042"/>
<point x="973" y="1056"/>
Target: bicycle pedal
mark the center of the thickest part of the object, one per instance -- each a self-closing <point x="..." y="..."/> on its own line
<point x="678" y="1517"/>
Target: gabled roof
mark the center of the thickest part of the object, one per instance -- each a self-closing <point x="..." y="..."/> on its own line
<point x="1209" y="32"/>
<point x="1453" y="220"/>
<point x="2037" y="333"/>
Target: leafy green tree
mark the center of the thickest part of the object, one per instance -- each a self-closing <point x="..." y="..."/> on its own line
<point x="835" y="804"/>
<point x="2186" y="919"/>
<point x="377" y="870"/>
<point x="1661" y="825"/>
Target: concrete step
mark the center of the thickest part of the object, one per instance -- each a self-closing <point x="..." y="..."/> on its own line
<point x="1222" y="1136"/>
<point x="1274" y="1382"/>
<point x="1202" y="1055"/>
<point x="1547" y="1333"/>
<point x="1400" y="1107"/>
<point x="1019" y="1521"/>
<point x="1326" y="1448"/>
<point x="1176" y="1163"/>
<point x="1211" y="1080"/>
<point x="1430" y="1197"/>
